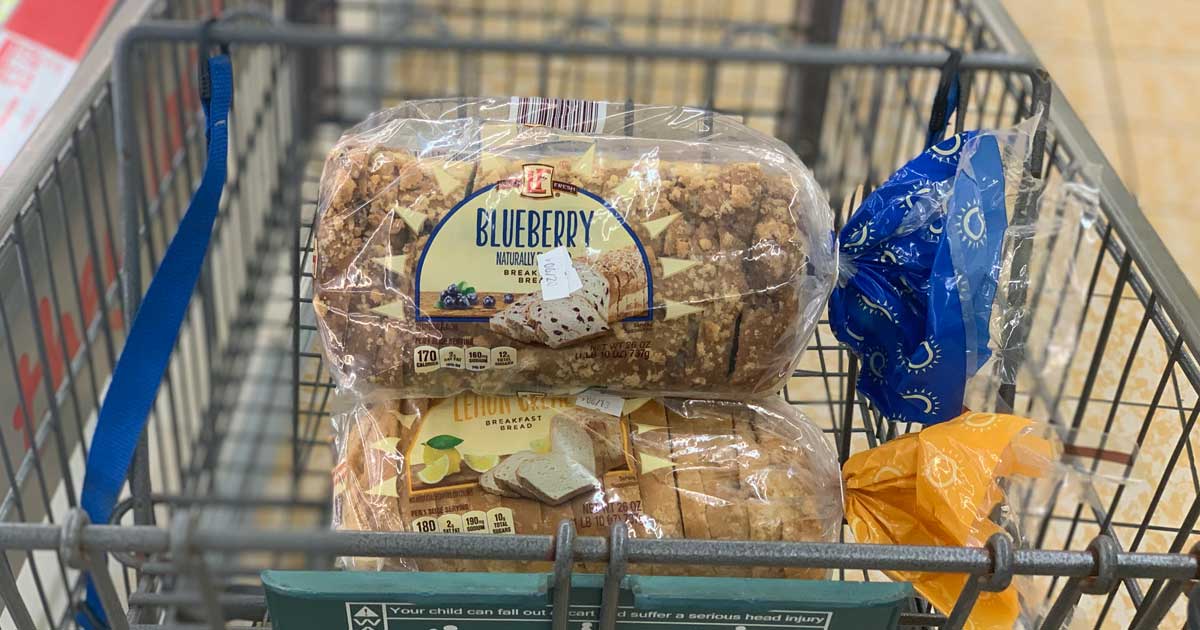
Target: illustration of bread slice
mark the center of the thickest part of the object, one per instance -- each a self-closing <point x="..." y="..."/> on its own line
<point x="613" y="288"/>
<point x="488" y="482"/>
<point x="555" y="478"/>
<point x="570" y="320"/>
<point x="505" y="477"/>
<point x="557" y="323"/>
<point x="569" y="438"/>
<point x="514" y="320"/>
<point x="596" y="288"/>
<point x="527" y="512"/>
<point x="626" y="275"/>
<point x="605" y="433"/>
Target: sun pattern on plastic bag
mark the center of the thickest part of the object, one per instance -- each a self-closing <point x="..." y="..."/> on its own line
<point x="918" y="273"/>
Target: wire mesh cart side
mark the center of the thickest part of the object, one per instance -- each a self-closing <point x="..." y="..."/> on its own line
<point x="235" y="459"/>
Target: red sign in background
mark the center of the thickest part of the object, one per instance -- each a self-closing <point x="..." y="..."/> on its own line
<point x="64" y="26"/>
<point x="41" y="44"/>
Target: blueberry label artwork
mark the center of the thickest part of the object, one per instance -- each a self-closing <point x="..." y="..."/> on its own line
<point x="542" y="261"/>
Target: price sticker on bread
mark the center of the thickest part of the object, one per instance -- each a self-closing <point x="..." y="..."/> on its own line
<point x="558" y="276"/>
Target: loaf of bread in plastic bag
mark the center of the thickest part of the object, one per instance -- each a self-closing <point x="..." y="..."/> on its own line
<point x="656" y="251"/>
<point x="666" y="468"/>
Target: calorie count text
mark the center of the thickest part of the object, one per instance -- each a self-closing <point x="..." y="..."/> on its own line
<point x="498" y="520"/>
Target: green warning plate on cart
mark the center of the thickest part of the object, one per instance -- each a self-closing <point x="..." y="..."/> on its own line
<point x="325" y="600"/>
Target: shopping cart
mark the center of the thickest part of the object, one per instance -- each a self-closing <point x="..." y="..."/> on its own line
<point x="232" y="475"/>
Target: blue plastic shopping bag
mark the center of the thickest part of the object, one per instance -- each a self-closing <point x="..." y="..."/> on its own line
<point x="918" y="267"/>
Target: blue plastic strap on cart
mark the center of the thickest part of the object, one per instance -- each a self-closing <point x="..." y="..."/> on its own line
<point x="918" y="266"/>
<point x="140" y="369"/>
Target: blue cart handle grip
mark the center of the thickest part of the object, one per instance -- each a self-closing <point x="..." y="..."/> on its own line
<point x="147" y="350"/>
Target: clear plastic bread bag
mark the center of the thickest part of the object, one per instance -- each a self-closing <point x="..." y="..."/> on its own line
<point x="509" y="246"/>
<point x="666" y="468"/>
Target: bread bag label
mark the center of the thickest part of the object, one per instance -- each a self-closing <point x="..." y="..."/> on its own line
<point x="467" y="435"/>
<point x="475" y="458"/>
<point x="485" y="261"/>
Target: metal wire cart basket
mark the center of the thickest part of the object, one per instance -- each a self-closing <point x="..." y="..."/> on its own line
<point x="233" y="473"/>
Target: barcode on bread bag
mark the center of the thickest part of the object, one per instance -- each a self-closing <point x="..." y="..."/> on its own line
<point x="568" y="114"/>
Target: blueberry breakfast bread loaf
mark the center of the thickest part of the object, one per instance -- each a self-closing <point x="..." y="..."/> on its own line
<point x="666" y="468"/>
<point x="642" y="255"/>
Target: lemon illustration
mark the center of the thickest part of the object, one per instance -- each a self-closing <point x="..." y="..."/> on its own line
<point x="481" y="463"/>
<point x="444" y="446"/>
<point x="540" y="445"/>
<point x="435" y="471"/>
<point x="452" y="456"/>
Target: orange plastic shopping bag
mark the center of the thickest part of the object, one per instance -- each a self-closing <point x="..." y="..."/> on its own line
<point x="938" y="487"/>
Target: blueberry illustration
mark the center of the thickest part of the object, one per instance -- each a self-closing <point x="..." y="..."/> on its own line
<point x="489" y="302"/>
<point x="463" y="302"/>
<point x="472" y="298"/>
<point x="452" y="289"/>
<point x="508" y="298"/>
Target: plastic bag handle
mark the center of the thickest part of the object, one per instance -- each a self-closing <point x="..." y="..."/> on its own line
<point x="950" y="98"/>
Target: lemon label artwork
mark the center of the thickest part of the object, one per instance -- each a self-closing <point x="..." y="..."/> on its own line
<point x="464" y="437"/>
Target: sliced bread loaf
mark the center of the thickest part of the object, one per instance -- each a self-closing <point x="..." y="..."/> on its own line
<point x="686" y="468"/>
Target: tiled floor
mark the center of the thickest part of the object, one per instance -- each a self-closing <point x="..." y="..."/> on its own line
<point x="1132" y="72"/>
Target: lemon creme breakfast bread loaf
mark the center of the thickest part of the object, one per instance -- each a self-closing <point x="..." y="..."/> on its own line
<point x="656" y="250"/>
<point x="508" y="465"/>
